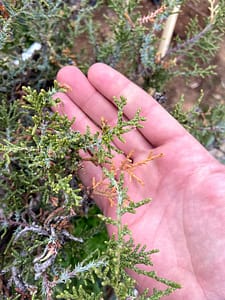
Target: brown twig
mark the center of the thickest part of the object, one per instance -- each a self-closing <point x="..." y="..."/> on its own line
<point x="189" y="43"/>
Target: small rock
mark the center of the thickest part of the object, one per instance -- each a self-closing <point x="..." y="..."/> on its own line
<point x="222" y="147"/>
<point x="217" y="154"/>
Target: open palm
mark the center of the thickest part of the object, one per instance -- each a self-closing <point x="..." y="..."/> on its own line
<point x="186" y="219"/>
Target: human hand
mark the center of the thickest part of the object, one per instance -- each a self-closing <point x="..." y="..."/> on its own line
<point x="186" y="218"/>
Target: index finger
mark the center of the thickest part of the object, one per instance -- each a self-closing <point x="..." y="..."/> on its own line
<point x="159" y="127"/>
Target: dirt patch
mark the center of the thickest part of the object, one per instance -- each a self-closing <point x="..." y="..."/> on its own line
<point x="213" y="86"/>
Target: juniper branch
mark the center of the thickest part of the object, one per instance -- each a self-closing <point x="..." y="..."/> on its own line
<point x="189" y="43"/>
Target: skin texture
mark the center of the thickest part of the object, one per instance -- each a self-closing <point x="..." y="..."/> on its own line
<point x="186" y="219"/>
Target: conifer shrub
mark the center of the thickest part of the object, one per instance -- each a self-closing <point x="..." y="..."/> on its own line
<point x="53" y="241"/>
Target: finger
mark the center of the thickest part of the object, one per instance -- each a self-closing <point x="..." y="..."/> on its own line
<point x="72" y="111"/>
<point x="95" y="106"/>
<point x="159" y="127"/>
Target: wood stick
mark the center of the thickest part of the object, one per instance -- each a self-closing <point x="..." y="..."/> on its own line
<point x="168" y="31"/>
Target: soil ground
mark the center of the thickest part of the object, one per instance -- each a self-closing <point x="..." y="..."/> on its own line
<point x="213" y="86"/>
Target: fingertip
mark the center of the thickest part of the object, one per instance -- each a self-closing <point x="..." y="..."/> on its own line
<point x="96" y="66"/>
<point x="98" y="69"/>
<point x="65" y="73"/>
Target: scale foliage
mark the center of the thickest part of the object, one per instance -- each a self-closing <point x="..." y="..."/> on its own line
<point x="42" y="202"/>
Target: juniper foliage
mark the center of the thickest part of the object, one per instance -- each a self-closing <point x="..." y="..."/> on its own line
<point x="42" y="199"/>
<point x="206" y="123"/>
